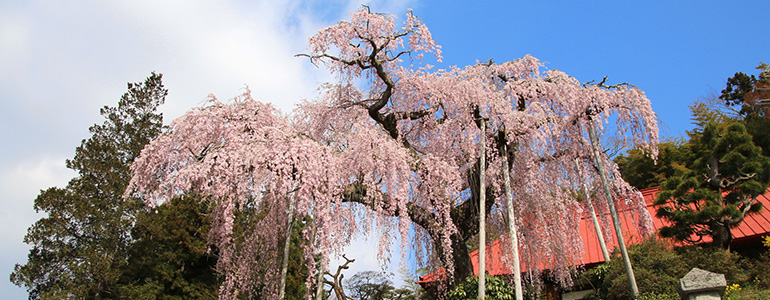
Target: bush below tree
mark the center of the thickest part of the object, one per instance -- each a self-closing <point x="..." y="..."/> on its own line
<point x="658" y="266"/>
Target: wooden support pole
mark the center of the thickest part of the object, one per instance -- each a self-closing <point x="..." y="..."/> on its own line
<point x="613" y="212"/>
<point x="512" y="231"/>
<point x="482" y="212"/>
<point x="591" y="210"/>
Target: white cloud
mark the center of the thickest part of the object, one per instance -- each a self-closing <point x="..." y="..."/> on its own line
<point x="62" y="61"/>
<point x="23" y="182"/>
<point x="14" y="38"/>
<point x="20" y="184"/>
<point x="219" y="49"/>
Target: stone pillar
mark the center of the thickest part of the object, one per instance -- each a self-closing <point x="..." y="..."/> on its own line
<point x="702" y="285"/>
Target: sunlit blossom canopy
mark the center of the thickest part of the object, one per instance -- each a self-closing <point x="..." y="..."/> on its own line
<point x="393" y="148"/>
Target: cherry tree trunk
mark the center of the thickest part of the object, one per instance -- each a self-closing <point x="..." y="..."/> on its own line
<point x="462" y="260"/>
<point x="512" y="231"/>
<point x="613" y="212"/>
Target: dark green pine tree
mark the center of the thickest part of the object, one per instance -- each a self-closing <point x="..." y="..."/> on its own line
<point x="169" y="258"/>
<point x="726" y="173"/>
<point x="79" y="250"/>
<point x="297" y="270"/>
<point x="752" y="94"/>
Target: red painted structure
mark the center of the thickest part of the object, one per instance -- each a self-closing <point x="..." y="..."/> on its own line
<point x="753" y="228"/>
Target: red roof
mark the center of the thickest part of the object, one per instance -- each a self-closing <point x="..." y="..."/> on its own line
<point x="753" y="228"/>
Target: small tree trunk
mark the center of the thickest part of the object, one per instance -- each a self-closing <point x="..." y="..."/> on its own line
<point x="615" y="219"/>
<point x="287" y="243"/>
<point x="482" y="213"/>
<point x="512" y="231"/>
<point x="723" y="236"/>
<point x="590" y="205"/>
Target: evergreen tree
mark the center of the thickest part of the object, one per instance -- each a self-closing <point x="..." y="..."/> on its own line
<point x="711" y="181"/>
<point x="80" y="248"/>
<point x="170" y="258"/>
<point x="297" y="269"/>
<point x="752" y="94"/>
<point x="725" y="175"/>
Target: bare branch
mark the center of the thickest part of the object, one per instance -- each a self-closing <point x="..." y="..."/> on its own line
<point x="398" y="55"/>
<point x="725" y="182"/>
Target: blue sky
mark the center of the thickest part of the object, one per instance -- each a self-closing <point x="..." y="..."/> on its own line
<point x="675" y="51"/>
<point x="61" y="61"/>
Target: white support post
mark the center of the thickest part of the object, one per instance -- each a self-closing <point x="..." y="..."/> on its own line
<point x="613" y="212"/>
<point x="482" y="212"/>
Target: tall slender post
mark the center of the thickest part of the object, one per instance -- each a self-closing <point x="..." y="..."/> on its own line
<point x="319" y="290"/>
<point x="512" y="231"/>
<point x="482" y="212"/>
<point x="322" y="268"/>
<point x="615" y="219"/>
<point x="287" y="243"/>
<point x="591" y="210"/>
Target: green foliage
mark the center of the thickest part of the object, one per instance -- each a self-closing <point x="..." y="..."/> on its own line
<point x="716" y="260"/>
<point x="726" y="173"/>
<point x="758" y="126"/>
<point x="80" y="248"/>
<point x="748" y="292"/>
<point x="705" y="111"/>
<point x="496" y="288"/>
<point x="752" y="94"/>
<point x="742" y="90"/>
<point x="170" y="258"/>
<point x="658" y="296"/>
<point x="370" y="285"/>
<point x="641" y="171"/>
<point x="658" y="268"/>
<point x="709" y="182"/>
<point x="745" y="90"/>
<point x="760" y="268"/>
<point x="737" y="87"/>
<point x="297" y="270"/>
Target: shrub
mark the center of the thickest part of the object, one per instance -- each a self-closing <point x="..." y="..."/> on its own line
<point x="760" y="269"/>
<point x="717" y="260"/>
<point x="657" y="269"/>
<point x="496" y="288"/>
<point x="656" y="296"/>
